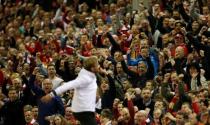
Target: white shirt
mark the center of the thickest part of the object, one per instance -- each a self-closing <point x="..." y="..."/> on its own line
<point x="98" y="104"/>
<point x="56" y="81"/>
<point x="85" y="88"/>
<point x="109" y="123"/>
<point x="194" y="85"/>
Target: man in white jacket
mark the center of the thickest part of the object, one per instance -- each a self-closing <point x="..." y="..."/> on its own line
<point x="85" y="87"/>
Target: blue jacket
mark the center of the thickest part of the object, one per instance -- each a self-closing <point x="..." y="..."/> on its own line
<point x="55" y="106"/>
<point x="153" y="57"/>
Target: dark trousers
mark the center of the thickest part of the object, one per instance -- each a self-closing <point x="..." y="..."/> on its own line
<point x="86" y="118"/>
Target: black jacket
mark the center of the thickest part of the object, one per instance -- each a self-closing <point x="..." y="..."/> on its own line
<point x="12" y="113"/>
<point x="108" y="96"/>
<point x="199" y="46"/>
<point x="136" y="79"/>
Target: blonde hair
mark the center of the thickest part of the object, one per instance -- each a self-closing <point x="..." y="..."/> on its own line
<point x="90" y="62"/>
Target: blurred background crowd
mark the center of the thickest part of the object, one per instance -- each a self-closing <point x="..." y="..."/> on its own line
<point x="154" y="57"/>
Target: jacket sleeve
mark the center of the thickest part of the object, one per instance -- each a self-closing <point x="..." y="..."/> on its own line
<point x="129" y="72"/>
<point x="99" y="42"/>
<point x="42" y="69"/>
<point x="193" y="12"/>
<point x="165" y="93"/>
<point x="57" y="65"/>
<point x="184" y="15"/>
<point x="152" y="22"/>
<point x="131" y="110"/>
<point x="37" y="90"/>
<point x="59" y="105"/>
<point x="179" y="66"/>
<point x="182" y="95"/>
<point x="150" y="69"/>
<point x="132" y="62"/>
<point x="70" y="85"/>
<point x="112" y="90"/>
<point x="115" y="45"/>
<point x="195" y="107"/>
<point x="196" y="43"/>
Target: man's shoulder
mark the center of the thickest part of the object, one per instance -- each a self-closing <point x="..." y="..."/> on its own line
<point x="57" y="98"/>
<point x="86" y="75"/>
<point x="57" y="79"/>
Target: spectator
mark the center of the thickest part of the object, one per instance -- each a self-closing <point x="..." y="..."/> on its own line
<point x="59" y="120"/>
<point x="45" y="109"/>
<point x="29" y="116"/>
<point x="13" y="108"/>
<point x="106" y="117"/>
<point x="154" y="58"/>
<point x="69" y="116"/>
<point x="56" y="81"/>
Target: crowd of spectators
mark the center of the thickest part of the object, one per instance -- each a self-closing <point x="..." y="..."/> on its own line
<point x="154" y="60"/>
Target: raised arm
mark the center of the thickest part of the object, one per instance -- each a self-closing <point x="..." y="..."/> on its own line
<point x="36" y="89"/>
<point x="79" y="81"/>
<point x="68" y="86"/>
<point x="115" y="45"/>
<point x="128" y="71"/>
<point x="196" y="43"/>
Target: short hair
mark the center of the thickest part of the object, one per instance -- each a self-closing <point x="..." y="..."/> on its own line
<point x="12" y="88"/>
<point x="51" y="64"/>
<point x="143" y="112"/>
<point x="90" y="62"/>
<point x="35" y="106"/>
<point x="27" y="108"/>
<point x="146" y="89"/>
<point x="107" y="113"/>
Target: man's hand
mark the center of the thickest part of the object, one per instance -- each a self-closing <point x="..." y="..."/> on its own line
<point x="103" y="71"/>
<point x="194" y="75"/>
<point x="36" y="70"/>
<point x="181" y="76"/>
<point x="128" y="96"/>
<point x="47" y="98"/>
<point x="203" y="29"/>
<point x="184" y="31"/>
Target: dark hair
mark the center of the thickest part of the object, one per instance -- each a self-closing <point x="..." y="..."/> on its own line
<point x="197" y="67"/>
<point x="107" y="113"/>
